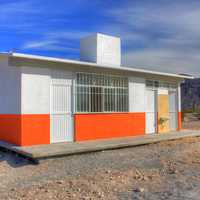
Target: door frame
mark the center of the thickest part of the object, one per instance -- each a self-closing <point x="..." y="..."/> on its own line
<point x="64" y="72"/>
<point x="176" y="107"/>
<point x="155" y="107"/>
<point x="162" y="91"/>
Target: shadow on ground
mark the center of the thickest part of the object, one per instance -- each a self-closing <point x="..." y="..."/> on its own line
<point x="14" y="160"/>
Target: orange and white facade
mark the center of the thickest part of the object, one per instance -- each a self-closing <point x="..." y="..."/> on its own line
<point x="47" y="100"/>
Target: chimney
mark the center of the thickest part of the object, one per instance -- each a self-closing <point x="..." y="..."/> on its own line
<point x="101" y="49"/>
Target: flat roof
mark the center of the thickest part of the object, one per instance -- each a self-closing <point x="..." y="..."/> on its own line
<point x="83" y="63"/>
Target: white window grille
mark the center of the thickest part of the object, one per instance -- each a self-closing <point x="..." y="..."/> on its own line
<point x="159" y="84"/>
<point x="101" y="93"/>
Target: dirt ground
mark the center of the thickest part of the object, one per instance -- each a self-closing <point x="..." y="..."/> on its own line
<point x="192" y="125"/>
<point x="191" y="121"/>
<point x="168" y="170"/>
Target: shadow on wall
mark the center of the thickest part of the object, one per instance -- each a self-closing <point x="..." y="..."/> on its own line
<point x="14" y="160"/>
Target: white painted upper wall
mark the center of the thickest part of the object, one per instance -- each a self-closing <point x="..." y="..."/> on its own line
<point x="101" y="49"/>
<point x="179" y="98"/>
<point x="35" y="90"/>
<point x="136" y="94"/>
<point x="10" y="88"/>
<point x="88" y="49"/>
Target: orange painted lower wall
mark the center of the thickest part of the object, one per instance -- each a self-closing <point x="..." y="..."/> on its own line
<point x="111" y="125"/>
<point x="35" y="129"/>
<point x="179" y="120"/>
<point x="24" y="130"/>
<point x="10" y="128"/>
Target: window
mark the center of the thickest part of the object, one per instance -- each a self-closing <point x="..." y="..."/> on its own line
<point x="164" y="85"/>
<point x="101" y="93"/>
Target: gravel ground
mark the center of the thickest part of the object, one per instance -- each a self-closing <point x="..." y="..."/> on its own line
<point x="192" y="125"/>
<point x="168" y="170"/>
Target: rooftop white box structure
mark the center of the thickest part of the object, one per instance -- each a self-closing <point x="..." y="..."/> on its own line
<point x="101" y="49"/>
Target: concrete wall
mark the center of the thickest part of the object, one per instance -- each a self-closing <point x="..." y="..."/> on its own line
<point x="35" y="90"/>
<point x="10" y="102"/>
<point x="110" y="125"/>
<point x="36" y="108"/>
<point x="101" y="49"/>
<point x="108" y="50"/>
<point x="10" y="84"/>
<point x="88" y="49"/>
<point x="136" y="94"/>
<point x="35" y="95"/>
<point x="179" y="98"/>
<point x="25" y="111"/>
<point x="179" y="108"/>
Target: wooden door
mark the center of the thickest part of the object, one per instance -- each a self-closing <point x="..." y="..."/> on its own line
<point x="163" y="113"/>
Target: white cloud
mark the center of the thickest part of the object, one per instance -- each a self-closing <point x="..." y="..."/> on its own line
<point x="19" y="16"/>
<point x="30" y="17"/>
<point x="57" y="41"/>
<point x="38" y="44"/>
<point x="68" y="34"/>
<point x="160" y="36"/>
<point x="48" y="45"/>
<point x="18" y="12"/>
<point x="19" y="7"/>
<point x="164" y="60"/>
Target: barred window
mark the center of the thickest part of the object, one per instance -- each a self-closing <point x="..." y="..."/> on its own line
<point x="159" y="84"/>
<point x="101" y="93"/>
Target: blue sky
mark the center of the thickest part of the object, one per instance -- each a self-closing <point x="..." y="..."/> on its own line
<point x="161" y="35"/>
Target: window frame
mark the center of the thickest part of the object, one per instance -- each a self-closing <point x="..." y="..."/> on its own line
<point x="105" y="87"/>
<point x="155" y="85"/>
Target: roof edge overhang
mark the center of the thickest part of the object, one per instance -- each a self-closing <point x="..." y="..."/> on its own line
<point x="74" y="62"/>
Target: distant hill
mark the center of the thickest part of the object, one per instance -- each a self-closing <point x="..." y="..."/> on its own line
<point x="190" y="93"/>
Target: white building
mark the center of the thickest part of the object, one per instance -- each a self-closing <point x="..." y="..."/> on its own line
<point x="47" y="100"/>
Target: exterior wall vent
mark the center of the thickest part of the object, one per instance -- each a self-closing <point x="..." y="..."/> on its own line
<point x="101" y="49"/>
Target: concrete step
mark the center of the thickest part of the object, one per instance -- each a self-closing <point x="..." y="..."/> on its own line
<point x="38" y="152"/>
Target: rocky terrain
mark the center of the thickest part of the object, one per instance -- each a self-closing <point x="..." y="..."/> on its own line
<point x="190" y="94"/>
<point x="168" y="170"/>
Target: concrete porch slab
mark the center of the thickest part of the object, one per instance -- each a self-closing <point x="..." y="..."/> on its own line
<point x="38" y="152"/>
